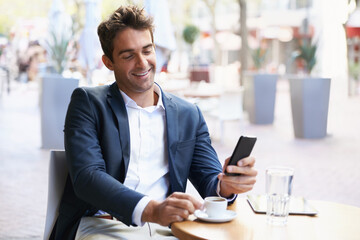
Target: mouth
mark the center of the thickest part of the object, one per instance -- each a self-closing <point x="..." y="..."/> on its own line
<point x="142" y="74"/>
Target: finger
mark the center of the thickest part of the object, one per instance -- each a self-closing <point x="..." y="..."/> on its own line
<point x="177" y="214"/>
<point x="181" y="204"/>
<point x="177" y="218"/>
<point x="247" y="171"/>
<point x="169" y="214"/>
<point x="248" y="161"/>
<point x="171" y="219"/>
<point x="183" y="196"/>
<point x="242" y="179"/>
<point x="226" y="163"/>
<point x="220" y="176"/>
<point x="239" y="188"/>
<point x="182" y="213"/>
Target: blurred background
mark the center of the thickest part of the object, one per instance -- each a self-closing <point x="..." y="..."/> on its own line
<point x="189" y="34"/>
<point x="286" y="71"/>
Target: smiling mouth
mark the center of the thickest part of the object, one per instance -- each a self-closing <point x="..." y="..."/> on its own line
<point x="142" y="73"/>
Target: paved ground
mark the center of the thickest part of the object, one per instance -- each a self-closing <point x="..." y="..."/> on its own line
<point x="326" y="169"/>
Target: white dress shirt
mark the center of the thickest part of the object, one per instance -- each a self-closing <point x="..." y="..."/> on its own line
<point x="148" y="170"/>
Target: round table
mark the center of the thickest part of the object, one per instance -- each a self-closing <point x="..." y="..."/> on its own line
<point x="334" y="221"/>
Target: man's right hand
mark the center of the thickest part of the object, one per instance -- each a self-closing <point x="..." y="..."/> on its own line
<point x="175" y="208"/>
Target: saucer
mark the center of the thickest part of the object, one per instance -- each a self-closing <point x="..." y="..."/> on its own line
<point x="228" y="216"/>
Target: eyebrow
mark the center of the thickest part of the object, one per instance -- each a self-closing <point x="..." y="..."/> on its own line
<point x="131" y="50"/>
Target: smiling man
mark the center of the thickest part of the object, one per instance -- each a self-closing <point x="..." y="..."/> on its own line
<point x="133" y="61"/>
<point x="131" y="147"/>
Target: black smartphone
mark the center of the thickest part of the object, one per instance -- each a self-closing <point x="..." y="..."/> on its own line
<point x="242" y="150"/>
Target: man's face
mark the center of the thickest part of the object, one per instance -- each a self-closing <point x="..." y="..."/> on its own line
<point x="134" y="61"/>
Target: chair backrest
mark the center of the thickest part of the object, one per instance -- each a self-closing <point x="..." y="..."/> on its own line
<point x="57" y="178"/>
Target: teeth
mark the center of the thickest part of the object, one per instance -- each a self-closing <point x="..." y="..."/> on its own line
<point x="140" y="74"/>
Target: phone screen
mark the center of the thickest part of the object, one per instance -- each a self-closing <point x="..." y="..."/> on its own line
<point x="242" y="150"/>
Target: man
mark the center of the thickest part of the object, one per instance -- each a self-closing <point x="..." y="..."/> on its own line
<point x="131" y="147"/>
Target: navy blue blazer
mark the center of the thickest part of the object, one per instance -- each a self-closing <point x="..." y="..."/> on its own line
<point x="97" y="144"/>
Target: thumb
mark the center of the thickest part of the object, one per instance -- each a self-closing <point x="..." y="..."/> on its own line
<point x="220" y="176"/>
<point x="226" y="163"/>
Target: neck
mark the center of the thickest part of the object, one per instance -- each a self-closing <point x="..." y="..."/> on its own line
<point x="156" y="98"/>
<point x="145" y="99"/>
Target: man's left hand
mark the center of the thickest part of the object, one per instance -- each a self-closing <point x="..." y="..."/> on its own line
<point x="244" y="182"/>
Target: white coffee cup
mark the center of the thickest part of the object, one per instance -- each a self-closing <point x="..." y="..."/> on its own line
<point x="215" y="206"/>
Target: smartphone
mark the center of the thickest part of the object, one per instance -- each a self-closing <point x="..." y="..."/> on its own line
<point x="242" y="150"/>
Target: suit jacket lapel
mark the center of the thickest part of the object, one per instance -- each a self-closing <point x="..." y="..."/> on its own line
<point x="171" y="123"/>
<point x="172" y="126"/>
<point x="117" y="105"/>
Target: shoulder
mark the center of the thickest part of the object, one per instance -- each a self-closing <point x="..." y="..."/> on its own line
<point x="89" y="101"/>
<point x="180" y="103"/>
<point x="94" y="91"/>
<point x="182" y="108"/>
<point x="98" y="93"/>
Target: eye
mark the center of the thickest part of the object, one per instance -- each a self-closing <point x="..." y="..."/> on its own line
<point x="126" y="57"/>
<point x="148" y="51"/>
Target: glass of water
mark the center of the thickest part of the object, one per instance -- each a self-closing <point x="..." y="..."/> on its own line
<point x="278" y="191"/>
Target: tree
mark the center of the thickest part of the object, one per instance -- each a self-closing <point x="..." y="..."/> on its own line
<point x="211" y="5"/>
<point x="244" y="37"/>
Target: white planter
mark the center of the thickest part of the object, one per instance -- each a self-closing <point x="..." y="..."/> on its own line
<point x="55" y="97"/>
<point x="310" y="105"/>
<point x="259" y="97"/>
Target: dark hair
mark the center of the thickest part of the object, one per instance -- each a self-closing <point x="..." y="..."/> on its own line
<point x="124" y="17"/>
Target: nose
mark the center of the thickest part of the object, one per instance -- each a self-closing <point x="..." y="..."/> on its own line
<point x="141" y="61"/>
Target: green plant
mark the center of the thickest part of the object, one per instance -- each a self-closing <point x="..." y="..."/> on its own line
<point x="354" y="70"/>
<point x="306" y="53"/>
<point x="258" y="56"/>
<point x="191" y="33"/>
<point x="57" y="47"/>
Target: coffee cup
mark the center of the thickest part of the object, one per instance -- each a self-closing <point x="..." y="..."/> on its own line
<point x="215" y="206"/>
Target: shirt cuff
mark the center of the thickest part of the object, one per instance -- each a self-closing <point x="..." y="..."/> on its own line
<point x="230" y="199"/>
<point x="138" y="211"/>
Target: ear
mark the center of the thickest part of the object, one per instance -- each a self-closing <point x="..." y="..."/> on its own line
<point x="107" y="62"/>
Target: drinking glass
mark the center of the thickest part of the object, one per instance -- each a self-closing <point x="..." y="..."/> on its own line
<point x="278" y="191"/>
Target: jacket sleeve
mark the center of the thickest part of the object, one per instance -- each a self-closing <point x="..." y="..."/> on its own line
<point x="87" y="167"/>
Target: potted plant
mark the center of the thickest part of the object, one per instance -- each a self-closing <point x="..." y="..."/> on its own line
<point x="354" y="74"/>
<point x="258" y="56"/>
<point x="190" y="34"/>
<point x="309" y="95"/>
<point x="259" y="90"/>
<point x="197" y="72"/>
<point x="55" y="90"/>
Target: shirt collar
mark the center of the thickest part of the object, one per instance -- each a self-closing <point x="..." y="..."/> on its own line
<point x="131" y="103"/>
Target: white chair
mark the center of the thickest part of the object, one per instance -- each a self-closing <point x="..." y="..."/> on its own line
<point x="229" y="108"/>
<point x="57" y="177"/>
